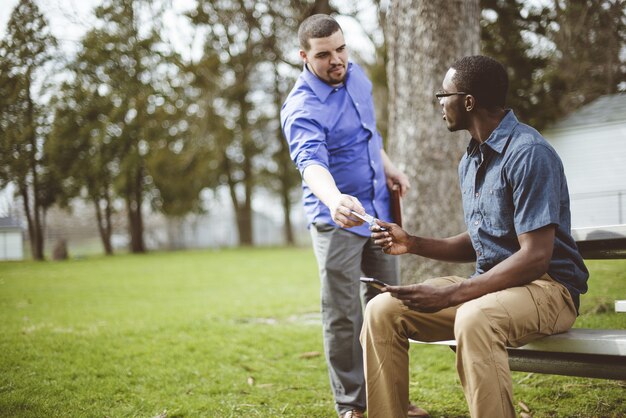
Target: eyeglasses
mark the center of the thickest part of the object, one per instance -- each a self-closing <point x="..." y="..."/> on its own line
<point x="442" y="94"/>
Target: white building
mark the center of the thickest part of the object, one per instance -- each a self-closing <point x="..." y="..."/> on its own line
<point x="592" y="144"/>
<point x="11" y="240"/>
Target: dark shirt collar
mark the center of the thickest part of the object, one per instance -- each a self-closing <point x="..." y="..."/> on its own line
<point x="321" y="89"/>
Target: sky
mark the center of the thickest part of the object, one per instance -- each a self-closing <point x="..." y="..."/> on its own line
<point x="66" y="17"/>
<point x="70" y="19"/>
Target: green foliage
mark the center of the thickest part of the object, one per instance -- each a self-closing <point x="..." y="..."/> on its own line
<point x="589" y="36"/>
<point x="559" y="55"/>
<point x="221" y="334"/>
<point x="26" y="50"/>
<point x="229" y="76"/>
<point x="136" y="121"/>
<point x="241" y="81"/>
<point x="121" y="123"/>
<point x="503" y="38"/>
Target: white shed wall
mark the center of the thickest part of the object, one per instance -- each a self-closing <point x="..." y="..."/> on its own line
<point x="11" y="245"/>
<point x="594" y="159"/>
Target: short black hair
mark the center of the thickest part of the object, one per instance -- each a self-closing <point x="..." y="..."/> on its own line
<point x="482" y="77"/>
<point x="316" y="26"/>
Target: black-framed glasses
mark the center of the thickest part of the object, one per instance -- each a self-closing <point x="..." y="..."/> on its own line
<point x="442" y="94"/>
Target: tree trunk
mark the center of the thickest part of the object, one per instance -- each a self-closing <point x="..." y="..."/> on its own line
<point x="105" y="228"/>
<point x="38" y="248"/>
<point x="423" y="39"/>
<point x="288" y="177"/>
<point x="244" y="225"/>
<point x="37" y="230"/>
<point x="320" y="6"/>
<point x="244" y="217"/>
<point x="286" y="200"/>
<point x="242" y="210"/>
<point x="135" y="219"/>
<point x="29" y="220"/>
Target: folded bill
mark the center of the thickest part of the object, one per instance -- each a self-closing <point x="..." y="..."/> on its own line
<point x="367" y="218"/>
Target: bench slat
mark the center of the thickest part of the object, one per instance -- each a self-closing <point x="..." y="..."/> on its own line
<point x="568" y="364"/>
<point x="598" y="353"/>
<point x="609" y="342"/>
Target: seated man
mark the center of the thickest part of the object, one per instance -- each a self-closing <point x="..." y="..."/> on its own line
<point x="529" y="274"/>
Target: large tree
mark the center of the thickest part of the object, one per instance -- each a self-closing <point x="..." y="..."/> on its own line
<point x="589" y="37"/>
<point x="559" y="54"/>
<point x="124" y="122"/>
<point x="282" y="177"/>
<point x="423" y="39"/>
<point x="26" y="50"/>
<point x="504" y="36"/>
<point x="126" y="126"/>
<point x="234" y="38"/>
<point x="83" y="144"/>
<point x="281" y="43"/>
<point x="242" y="82"/>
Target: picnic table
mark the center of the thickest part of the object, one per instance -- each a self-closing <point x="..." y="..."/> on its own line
<point x="597" y="353"/>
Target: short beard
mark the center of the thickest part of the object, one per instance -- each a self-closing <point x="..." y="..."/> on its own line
<point x="332" y="80"/>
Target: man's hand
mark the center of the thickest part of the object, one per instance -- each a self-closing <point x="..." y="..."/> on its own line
<point x="423" y="297"/>
<point x="395" y="176"/>
<point x="340" y="211"/>
<point x="322" y="183"/>
<point x="400" y="179"/>
<point x="394" y="240"/>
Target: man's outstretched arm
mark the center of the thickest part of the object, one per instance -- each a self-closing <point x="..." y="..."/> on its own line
<point x="323" y="185"/>
<point x="529" y="263"/>
<point x="396" y="241"/>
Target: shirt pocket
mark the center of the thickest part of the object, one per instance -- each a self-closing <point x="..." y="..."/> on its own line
<point x="498" y="210"/>
<point x="468" y="208"/>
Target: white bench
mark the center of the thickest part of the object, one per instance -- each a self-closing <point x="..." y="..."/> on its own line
<point x="599" y="353"/>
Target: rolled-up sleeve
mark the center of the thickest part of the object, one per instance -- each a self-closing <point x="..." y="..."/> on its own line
<point x="306" y="139"/>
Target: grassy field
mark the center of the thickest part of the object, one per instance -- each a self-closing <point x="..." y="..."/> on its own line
<point x="227" y="333"/>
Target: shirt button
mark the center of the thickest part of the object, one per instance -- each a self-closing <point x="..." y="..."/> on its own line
<point x="375" y="181"/>
<point x="356" y="104"/>
<point x="476" y="222"/>
<point x="477" y="194"/>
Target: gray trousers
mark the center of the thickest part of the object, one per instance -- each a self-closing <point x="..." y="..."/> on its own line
<point x="343" y="257"/>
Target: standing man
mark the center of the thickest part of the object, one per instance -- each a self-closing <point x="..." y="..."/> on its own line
<point x="328" y="120"/>
<point x="529" y="274"/>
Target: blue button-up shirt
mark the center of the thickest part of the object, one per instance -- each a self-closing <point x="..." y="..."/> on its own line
<point x="335" y="127"/>
<point x="514" y="183"/>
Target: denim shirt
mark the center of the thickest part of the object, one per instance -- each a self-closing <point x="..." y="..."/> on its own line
<point x="514" y="183"/>
<point x="335" y="127"/>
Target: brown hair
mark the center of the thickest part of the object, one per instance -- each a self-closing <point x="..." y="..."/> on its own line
<point x="316" y="26"/>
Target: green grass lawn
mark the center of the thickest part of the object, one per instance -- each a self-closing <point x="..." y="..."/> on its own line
<point x="227" y="333"/>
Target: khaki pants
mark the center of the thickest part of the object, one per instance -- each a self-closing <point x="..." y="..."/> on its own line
<point x="482" y="328"/>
